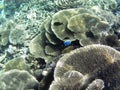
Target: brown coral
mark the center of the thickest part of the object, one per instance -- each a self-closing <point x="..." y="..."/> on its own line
<point x="37" y="46"/>
<point x="78" y="24"/>
<point x="76" y="81"/>
<point x="96" y="61"/>
<point x="59" y="23"/>
<point x="73" y="77"/>
<point x="17" y="80"/>
<point x="85" y="24"/>
<point x="4" y="37"/>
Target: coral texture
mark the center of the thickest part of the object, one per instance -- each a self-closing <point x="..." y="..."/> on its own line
<point x="4" y="37"/>
<point x="35" y="34"/>
<point x="10" y="6"/>
<point x="17" y="36"/>
<point x="111" y="4"/>
<point x="93" y="61"/>
<point x="17" y="80"/>
<point x="76" y="81"/>
<point x="17" y="63"/>
<point x="78" y="24"/>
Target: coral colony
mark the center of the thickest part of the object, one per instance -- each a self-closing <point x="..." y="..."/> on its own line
<point x="59" y="44"/>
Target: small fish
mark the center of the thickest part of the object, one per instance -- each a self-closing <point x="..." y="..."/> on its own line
<point x="67" y="42"/>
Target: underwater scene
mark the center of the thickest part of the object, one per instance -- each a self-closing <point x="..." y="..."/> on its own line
<point x="59" y="44"/>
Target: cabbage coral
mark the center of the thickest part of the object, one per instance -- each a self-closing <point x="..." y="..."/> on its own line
<point x="94" y="62"/>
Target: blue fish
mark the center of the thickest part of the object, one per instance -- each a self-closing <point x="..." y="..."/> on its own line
<point x="67" y="42"/>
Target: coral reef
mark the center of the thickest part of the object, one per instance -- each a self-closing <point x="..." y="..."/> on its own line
<point x="111" y="40"/>
<point x="76" y="80"/>
<point x="93" y="61"/>
<point x="17" y="63"/>
<point x="73" y="77"/>
<point x="58" y="25"/>
<point x="35" y="34"/>
<point x="17" y="80"/>
<point x="17" y="36"/>
<point x="97" y="84"/>
<point x="37" y="46"/>
<point x="67" y="3"/>
<point x="22" y="25"/>
<point x="4" y="37"/>
<point x="10" y="6"/>
<point x="106" y="5"/>
<point x="78" y="24"/>
<point x="85" y="24"/>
